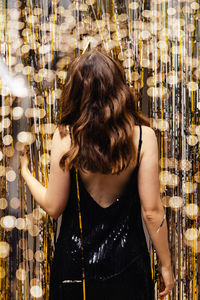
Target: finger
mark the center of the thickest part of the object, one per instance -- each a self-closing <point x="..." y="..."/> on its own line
<point x="164" y="293"/>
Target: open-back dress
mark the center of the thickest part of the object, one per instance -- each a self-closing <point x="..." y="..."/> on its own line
<point x="116" y="257"/>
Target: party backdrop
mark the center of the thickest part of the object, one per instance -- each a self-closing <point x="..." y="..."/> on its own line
<point x="158" y="44"/>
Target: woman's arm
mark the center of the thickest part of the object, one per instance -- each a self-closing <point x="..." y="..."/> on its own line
<point x="151" y="205"/>
<point x="52" y="199"/>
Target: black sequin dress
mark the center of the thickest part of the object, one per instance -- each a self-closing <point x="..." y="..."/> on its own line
<point x="116" y="257"/>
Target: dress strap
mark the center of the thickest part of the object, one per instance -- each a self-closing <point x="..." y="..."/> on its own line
<point x="139" y="146"/>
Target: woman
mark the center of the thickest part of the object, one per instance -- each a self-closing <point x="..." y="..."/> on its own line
<point x="103" y="175"/>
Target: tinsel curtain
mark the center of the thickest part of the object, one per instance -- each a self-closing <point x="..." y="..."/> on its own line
<point x="158" y="44"/>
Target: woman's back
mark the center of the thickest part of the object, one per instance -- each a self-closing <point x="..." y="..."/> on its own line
<point x="105" y="189"/>
<point x="117" y="217"/>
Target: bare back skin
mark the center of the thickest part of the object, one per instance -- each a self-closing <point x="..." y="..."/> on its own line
<point x="105" y="189"/>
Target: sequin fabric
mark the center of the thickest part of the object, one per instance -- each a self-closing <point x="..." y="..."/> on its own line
<point x="113" y="237"/>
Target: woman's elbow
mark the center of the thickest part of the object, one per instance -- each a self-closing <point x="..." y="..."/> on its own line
<point x="151" y="215"/>
<point x="54" y="216"/>
<point x="55" y="209"/>
<point x="54" y="213"/>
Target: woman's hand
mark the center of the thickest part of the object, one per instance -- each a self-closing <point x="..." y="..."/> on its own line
<point x="24" y="161"/>
<point x="168" y="278"/>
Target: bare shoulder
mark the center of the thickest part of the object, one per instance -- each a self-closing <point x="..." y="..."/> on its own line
<point x="149" y="140"/>
<point x="148" y="132"/>
<point x="59" y="143"/>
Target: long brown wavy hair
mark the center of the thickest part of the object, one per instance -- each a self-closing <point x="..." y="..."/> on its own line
<point x="100" y="109"/>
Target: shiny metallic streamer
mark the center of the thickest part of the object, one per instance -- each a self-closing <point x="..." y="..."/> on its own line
<point x="81" y="236"/>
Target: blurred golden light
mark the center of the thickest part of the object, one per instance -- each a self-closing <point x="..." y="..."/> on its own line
<point x="7" y="139"/>
<point x="1" y="155"/>
<point x="17" y="113"/>
<point x="165" y="201"/>
<point x="165" y="177"/>
<point x="133" y="5"/>
<point x="189" y="187"/>
<point x="37" y="11"/>
<point x="11" y="175"/>
<point x="5" y="122"/>
<point x="38" y="271"/>
<point x="57" y="93"/>
<point x="171" y="11"/>
<point x="173" y="163"/>
<point x="144" y="35"/>
<point x="28" y="254"/>
<point x="4" y="91"/>
<point x="191" y="234"/>
<point x="174" y="181"/>
<point x="33" y="230"/>
<point x="14" y="203"/>
<point x="61" y="74"/>
<point x="39" y="100"/>
<point x="45" y="158"/>
<point x="29" y="221"/>
<point x="26" y="137"/>
<point x="197" y="130"/>
<point x="192" y="86"/>
<point x="185" y="165"/>
<point x="23" y="243"/>
<point x="35" y="113"/>
<point x="176" y="202"/>
<point x="4" y="110"/>
<point x="8" y="151"/>
<point x="48" y="128"/>
<point x="39" y="256"/>
<point x="25" y="48"/>
<point x="195" y="245"/>
<point x="135" y="76"/>
<point x="8" y="222"/>
<point x="17" y="4"/>
<point x="19" y="146"/>
<point x="2" y="170"/>
<point x="4" y="249"/>
<point x="2" y="273"/>
<point x="37" y="213"/>
<point x="192" y="140"/>
<point x="28" y="70"/>
<point x="128" y="63"/>
<point x="195" y="5"/>
<point x="21" y="274"/>
<point x="191" y="210"/>
<point x="36" y="291"/>
<point x="3" y="203"/>
<point x="20" y="223"/>
<point x="172" y="79"/>
<point x="162" y="125"/>
<point x="190" y="27"/>
<point x="90" y="2"/>
<point x="192" y="128"/>
<point x="24" y="265"/>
